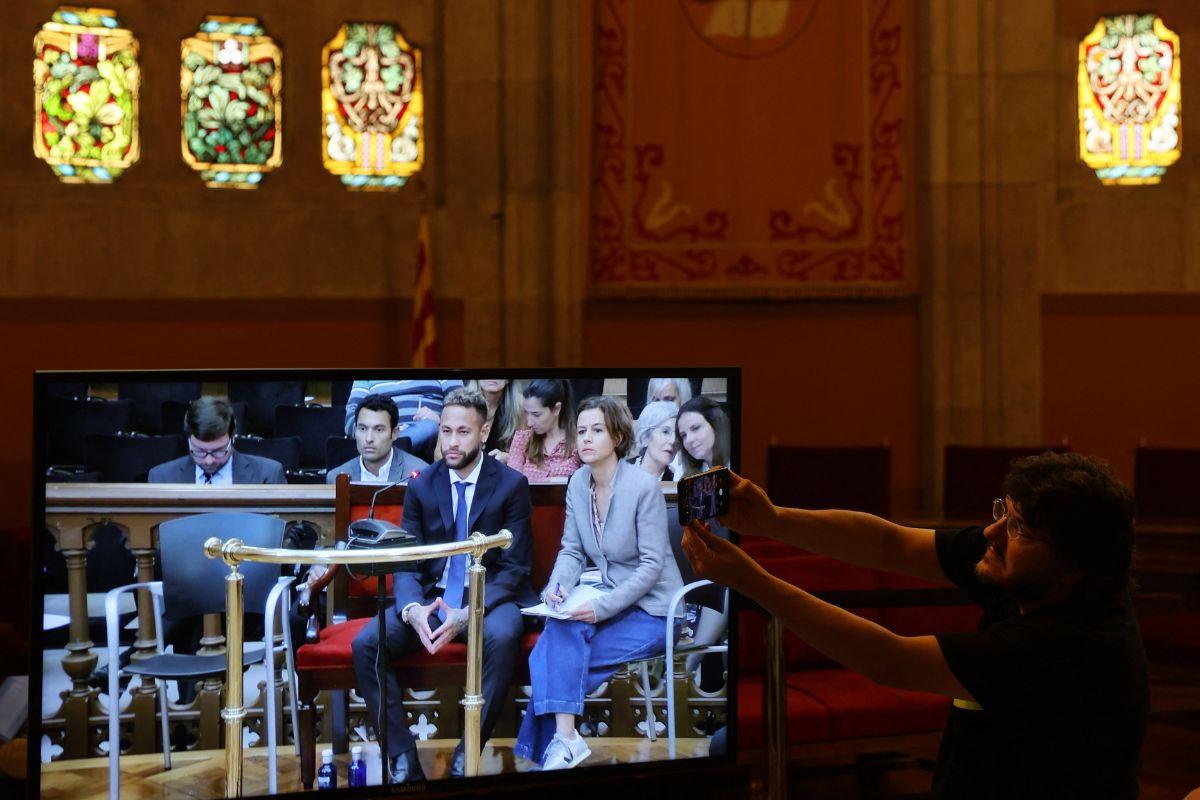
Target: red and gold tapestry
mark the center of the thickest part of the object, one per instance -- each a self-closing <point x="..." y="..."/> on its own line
<point x="749" y="148"/>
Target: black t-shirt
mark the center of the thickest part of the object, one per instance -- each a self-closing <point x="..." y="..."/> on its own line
<point x="1062" y="692"/>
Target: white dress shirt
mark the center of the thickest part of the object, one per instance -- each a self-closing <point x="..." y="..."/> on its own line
<point x="222" y="477"/>
<point x="366" y="476"/>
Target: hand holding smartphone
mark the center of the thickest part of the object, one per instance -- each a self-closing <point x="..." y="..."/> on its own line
<point x="704" y="496"/>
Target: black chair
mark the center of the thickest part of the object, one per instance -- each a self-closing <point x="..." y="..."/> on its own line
<point x="635" y="392"/>
<point x="973" y="475"/>
<point x="148" y="398"/>
<point x="339" y="450"/>
<point x="854" y="478"/>
<point x="125" y="458"/>
<point x="65" y="475"/>
<point x="284" y="449"/>
<point x="69" y="391"/>
<point x="261" y="399"/>
<point x="192" y="585"/>
<point x="313" y="477"/>
<point x="339" y="392"/>
<point x="314" y="425"/>
<point x="71" y="420"/>
<point x="582" y="388"/>
<point x="174" y="412"/>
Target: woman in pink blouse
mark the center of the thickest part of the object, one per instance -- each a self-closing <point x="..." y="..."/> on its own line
<point x="546" y="448"/>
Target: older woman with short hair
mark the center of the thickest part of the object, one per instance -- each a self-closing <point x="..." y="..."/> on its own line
<point x="655" y="442"/>
<point x="671" y="390"/>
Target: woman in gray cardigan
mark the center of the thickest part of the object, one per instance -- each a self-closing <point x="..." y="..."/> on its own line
<point x="617" y="520"/>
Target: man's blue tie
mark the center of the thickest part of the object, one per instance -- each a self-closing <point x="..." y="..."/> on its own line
<point x="457" y="574"/>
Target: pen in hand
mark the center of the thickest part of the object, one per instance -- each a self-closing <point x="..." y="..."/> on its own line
<point x="557" y="593"/>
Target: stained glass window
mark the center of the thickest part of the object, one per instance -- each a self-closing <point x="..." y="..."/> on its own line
<point x="231" y="81"/>
<point x="85" y="84"/>
<point x="1129" y="99"/>
<point x="372" y="106"/>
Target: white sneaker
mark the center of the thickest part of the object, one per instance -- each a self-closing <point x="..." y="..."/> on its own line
<point x="565" y="753"/>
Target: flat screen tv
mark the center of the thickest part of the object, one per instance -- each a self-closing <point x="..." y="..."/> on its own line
<point x="136" y="471"/>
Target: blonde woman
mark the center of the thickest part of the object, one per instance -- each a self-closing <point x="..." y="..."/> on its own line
<point x="504" y="413"/>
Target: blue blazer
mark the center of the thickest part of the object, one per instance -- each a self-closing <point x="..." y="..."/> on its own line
<point x="501" y="501"/>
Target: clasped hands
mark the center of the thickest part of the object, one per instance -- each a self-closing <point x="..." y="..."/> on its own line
<point x="435" y="639"/>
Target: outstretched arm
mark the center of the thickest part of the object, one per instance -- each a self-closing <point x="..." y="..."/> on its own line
<point x="851" y="536"/>
<point x="904" y="662"/>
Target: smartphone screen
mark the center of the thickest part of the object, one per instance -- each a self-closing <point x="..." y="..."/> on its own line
<point x="704" y="496"/>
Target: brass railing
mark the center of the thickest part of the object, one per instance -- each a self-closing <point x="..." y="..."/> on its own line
<point x="234" y="552"/>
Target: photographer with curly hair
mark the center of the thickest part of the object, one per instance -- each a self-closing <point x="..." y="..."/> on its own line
<point x="1050" y="694"/>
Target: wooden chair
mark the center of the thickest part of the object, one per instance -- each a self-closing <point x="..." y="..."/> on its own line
<point x="854" y="478"/>
<point x="1165" y="482"/>
<point x="973" y="474"/>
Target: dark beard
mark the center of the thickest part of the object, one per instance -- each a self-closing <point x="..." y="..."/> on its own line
<point x="1028" y="589"/>
<point x="467" y="458"/>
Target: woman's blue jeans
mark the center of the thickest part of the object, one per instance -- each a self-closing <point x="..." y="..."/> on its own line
<point x="571" y="659"/>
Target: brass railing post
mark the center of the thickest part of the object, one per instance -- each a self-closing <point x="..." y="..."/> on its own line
<point x="775" y="711"/>
<point x="234" y="551"/>
<point x="472" y="701"/>
<point x="234" y="711"/>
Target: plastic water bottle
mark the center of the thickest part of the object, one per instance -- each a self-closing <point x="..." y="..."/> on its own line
<point x="358" y="769"/>
<point x="327" y="774"/>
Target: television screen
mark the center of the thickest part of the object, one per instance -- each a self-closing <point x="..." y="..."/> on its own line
<point x="597" y="649"/>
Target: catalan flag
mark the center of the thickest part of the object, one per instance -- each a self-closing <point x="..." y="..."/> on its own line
<point x="424" y="335"/>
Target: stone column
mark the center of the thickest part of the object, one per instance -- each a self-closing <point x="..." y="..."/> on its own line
<point x="986" y="88"/>
<point x="520" y="280"/>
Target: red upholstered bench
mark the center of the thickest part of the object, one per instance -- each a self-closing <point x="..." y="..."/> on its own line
<point x="445" y="666"/>
<point x="328" y="665"/>
<point x="826" y="702"/>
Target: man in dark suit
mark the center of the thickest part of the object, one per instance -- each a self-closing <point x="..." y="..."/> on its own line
<point x="376" y="429"/>
<point x="466" y="491"/>
<point x="213" y="460"/>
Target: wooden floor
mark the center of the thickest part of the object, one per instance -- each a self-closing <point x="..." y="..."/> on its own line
<point x="201" y="774"/>
<point x="1170" y="766"/>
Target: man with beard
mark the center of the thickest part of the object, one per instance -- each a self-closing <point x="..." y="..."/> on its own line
<point x="464" y="492"/>
<point x="1050" y="694"/>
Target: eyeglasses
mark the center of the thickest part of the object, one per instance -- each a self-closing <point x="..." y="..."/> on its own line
<point x="1012" y="525"/>
<point x="219" y="452"/>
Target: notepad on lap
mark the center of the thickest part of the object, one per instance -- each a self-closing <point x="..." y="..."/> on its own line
<point x="583" y="593"/>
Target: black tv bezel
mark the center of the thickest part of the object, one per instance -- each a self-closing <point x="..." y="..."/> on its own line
<point x="701" y="772"/>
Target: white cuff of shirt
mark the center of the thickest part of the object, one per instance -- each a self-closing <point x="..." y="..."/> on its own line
<point x="404" y="612"/>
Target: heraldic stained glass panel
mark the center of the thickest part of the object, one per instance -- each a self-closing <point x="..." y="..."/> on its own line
<point x="1129" y="90"/>
<point x="372" y="104"/>
<point x="85" y="95"/>
<point x="231" y="80"/>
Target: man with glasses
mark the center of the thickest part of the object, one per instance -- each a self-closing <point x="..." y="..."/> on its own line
<point x="212" y="461"/>
<point x="212" y="458"/>
<point x="1050" y="694"/>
